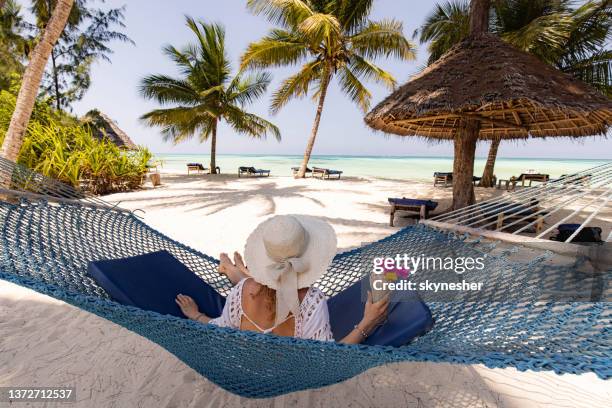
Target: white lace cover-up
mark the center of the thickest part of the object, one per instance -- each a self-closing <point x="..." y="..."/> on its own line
<point x="312" y="321"/>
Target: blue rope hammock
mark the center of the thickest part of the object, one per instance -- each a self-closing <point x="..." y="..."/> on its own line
<point x="46" y="245"/>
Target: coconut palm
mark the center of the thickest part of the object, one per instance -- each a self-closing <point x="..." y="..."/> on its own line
<point x="31" y="80"/>
<point x="206" y="93"/>
<point x="328" y="38"/>
<point x="573" y="40"/>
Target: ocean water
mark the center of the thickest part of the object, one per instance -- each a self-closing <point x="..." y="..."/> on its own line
<point x="405" y="167"/>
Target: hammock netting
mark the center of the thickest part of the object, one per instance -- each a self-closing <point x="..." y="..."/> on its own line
<point x="46" y="245"/>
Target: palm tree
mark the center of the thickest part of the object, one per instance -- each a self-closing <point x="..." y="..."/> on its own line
<point x="573" y="40"/>
<point x="31" y="80"/>
<point x="206" y="93"/>
<point x="329" y="38"/>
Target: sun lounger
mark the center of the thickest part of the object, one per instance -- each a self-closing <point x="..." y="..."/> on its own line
<point x="199" y="168"/>
<point x="325" y="173"/>
<point x="252" y="171"/>
<point x="422" y="207"/>
<point x="294" y="170"/>
<point x="446" y="178"/>
<point x="510" y="184"/>
<point x="443" y="178"/>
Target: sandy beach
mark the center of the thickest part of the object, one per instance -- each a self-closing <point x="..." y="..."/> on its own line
<point x="46" y="342"/>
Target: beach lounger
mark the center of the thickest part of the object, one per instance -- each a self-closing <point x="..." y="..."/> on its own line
<point x="152" y="281"/>
<point x="294" y="170"/>
<point x="325" y="173"/>
<point x="510" y="184"/>
<point x="443" y="178"/>
<point x="199" y="168"/>
<point x="422" y="207"/>
<point x="446" y="178"/>
<point x="252" y="171"/>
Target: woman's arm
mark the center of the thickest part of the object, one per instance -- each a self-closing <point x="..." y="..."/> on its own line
<point x="190" y="309"/>
<point x="373" y="315"/>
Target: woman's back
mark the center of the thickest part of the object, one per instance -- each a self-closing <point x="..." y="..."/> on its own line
<point x="250" y="307"/>
<point x="258" y="306"/>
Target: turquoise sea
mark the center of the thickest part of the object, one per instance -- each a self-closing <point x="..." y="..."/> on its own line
<point x="404" y="167"/>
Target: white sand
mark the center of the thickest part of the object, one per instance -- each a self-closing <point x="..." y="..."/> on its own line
<point x="45" y="342"/>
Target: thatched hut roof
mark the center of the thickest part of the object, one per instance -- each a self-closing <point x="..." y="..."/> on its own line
<point x="512" y="94"/>
<point x="104" y="127"/>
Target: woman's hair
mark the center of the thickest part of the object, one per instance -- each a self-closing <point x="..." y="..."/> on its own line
<point x="269" y="296"/>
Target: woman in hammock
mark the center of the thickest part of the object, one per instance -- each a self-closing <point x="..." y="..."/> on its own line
<point x="285" y="255"/>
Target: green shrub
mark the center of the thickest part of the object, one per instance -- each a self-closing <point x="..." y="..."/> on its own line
<point x="57" y="146"/>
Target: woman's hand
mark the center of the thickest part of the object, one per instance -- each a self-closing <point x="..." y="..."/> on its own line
<point x="235" y="271"/>
<point x="188" y="306"/>
<point x="374" y="313"/>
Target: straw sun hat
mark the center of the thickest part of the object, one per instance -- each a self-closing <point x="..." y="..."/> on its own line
<point x="287" y="253"/>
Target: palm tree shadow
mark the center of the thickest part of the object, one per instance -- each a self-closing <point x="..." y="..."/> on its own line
<point x="213" y="199"/>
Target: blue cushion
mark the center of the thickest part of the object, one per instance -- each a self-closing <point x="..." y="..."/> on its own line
<point x="431" y="205"/>
<point x="408" y="317"/>
<point x="152" y="281"/>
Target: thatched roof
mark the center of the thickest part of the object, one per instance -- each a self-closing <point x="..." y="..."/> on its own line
<point x="104" y="127"/>
<point x="512" y="93"/>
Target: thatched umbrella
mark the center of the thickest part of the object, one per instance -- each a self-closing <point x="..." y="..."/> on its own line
<point x="485" y="89"/>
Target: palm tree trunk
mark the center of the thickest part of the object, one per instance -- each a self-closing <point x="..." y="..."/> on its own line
<point x="479" y="16"/>
<point x="487" y="174"/>
<point x="31" y="80"/>
<point x="463" y="165"/>
<point x="315" y="127"/>
<point x="213" y="149"/>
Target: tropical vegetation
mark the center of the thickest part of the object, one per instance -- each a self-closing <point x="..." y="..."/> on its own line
<point x="573" y="38"/>
<point x="85" y="40"/>
<point x="57" y="145"/>
<point x="328" y="39"/>
<point x="206" y="93"/>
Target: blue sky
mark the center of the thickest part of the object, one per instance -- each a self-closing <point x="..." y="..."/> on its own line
<point x="153" y="24"/>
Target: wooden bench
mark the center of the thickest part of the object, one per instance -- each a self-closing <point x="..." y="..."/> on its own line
<point x="422" y="207"/>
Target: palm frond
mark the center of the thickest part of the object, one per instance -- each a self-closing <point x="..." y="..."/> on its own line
<point x="596" y="70"/>
<point x="296" y="86"/>
<point x="352" y="14"/>
<point x="278" y="48"/>
<point x="244" y="90"/>
<point x="286" y="13"/>
<point x="320" y="28"/>
<point x="250" y="124"/>
<point x="445" y="26"/>
<point x="383" y="38"/>
<point x="544" y="37"/>
<point x="165" y="89"/>
<point x="356" y="91"/>
<point x="365" y="69"/>
<point x="180" y="123"/>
